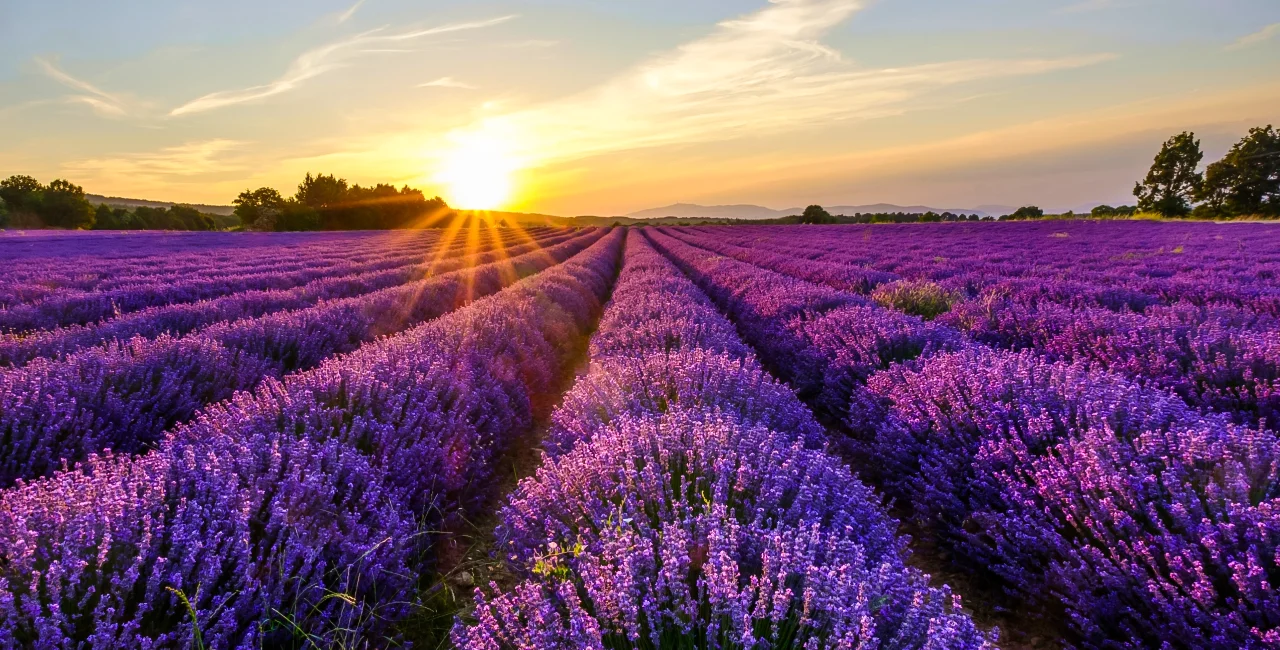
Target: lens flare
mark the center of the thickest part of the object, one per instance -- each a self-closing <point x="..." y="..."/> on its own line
<point x="477" y="173"/>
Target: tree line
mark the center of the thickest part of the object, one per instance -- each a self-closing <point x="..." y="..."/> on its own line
<point x="325" y="202"/>
<point x="322" y="202"/>
<point x="1244" y="183"/>
<point x="816" y="214"/>
<point x="27" y="203"/>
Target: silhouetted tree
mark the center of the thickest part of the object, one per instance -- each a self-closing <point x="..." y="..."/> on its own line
<point x="321" y="191"/>
<point x="1173" y="180"/>
<point x="253" y="205"/>
<point x="816" y="214"/>
<point x="63" y="206"/>
<point x="1027" y="212"/>
<point x="1247" y="180"/>
<point x="21" y="194"/>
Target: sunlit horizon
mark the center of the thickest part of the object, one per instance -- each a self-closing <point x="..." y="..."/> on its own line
<point x="588" y="108"/>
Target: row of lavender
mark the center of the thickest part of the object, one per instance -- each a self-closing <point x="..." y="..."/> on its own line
<point x="686" y="501"/>
<point x="172" y="284"/>
<point x="304" y="512"/>
<point x="1190" y="309"/>
<point x="57" y="272"/>
<point x="181" y="314"/>
<point x="123" y="396"/>
<point x="1149" y="523"/>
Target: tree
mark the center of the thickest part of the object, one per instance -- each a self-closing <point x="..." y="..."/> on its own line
<point x="103" y="218"/>
<point x="816" y="214"/>
<point x="252" y="205"/>
<point x="322" y="191"/>
<point x="63" y="206"/>
<point x="185" y="217"/>
<point x="1027" y="212"/>
<point x="1173" y="180"/>
<point x="21" y="193"/>
<point x="1247" y="180"/>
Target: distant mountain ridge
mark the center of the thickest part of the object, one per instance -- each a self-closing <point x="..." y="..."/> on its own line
<point x="120" y="202"/>
<point x="693" y="210"/>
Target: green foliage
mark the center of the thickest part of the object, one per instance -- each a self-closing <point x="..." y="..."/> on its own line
<point x="816" y="214"/>
<point x="63" y="206"/>
<point x="1108" y="212"/>
<point x="326" y="202"/>
<point x="321" y="191"/>
<point x="1247" y="180"/>
<point x="22" y="196"/>
<point x="253" y="205"/>
<point x="177" y="217"/>
<point x="1173" y="180"/>
<point x="1025" y="212"/>
<point x="927" y="300"/>
<point x="297" y="217"/>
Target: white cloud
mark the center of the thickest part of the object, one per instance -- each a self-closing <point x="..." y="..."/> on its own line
<point x="763" y="73"/>
<point x="99" y="100"/>
<point x="1260" y="36"/>
<point x="318" y="61"/>
<point x="447" y="82"/>
<point x="346" y="15"/>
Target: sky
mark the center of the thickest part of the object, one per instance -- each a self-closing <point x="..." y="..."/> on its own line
<point x="606" y="107"/>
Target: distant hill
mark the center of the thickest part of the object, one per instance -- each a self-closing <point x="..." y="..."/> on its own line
<point x="694" y="211"/>
<point x="119" y="202"/>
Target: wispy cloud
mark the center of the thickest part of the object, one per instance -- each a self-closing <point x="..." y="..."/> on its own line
<point x="763" y="73"/>
<point x="99" y="100"/>
<point x="346" y="15"/>
<point x="183" y="170"/>
<point x="1260" y="36"/>
<point x="447" y="82"/>
<point x="318" y="61"/>
<point x="190" y="159"/>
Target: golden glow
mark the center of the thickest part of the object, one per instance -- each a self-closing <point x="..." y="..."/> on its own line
<point x="477" y="173"/>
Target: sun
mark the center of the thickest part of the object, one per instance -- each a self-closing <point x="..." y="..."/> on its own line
<point x="478" y="174"/>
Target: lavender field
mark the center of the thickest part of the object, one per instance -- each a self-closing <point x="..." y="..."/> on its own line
<point x="1051" y="434"/>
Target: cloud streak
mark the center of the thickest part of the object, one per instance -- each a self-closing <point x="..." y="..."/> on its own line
<point x="346" y="15"/>
<point x="320" y="60"/>
<point x="186" y="169"/>
<point x="99" y="100"/>
<point x="763" y="73"/>
<point x="187" y="160"/>
<point x="1260" y="36"/>
<point x="447" y="82"/>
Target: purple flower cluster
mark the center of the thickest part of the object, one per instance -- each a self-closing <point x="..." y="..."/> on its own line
<point x="1150" y="523"/>
<point x="687" y="502"/>
<point x="123" y="396"/>
<point x="302" y="512"/>
<point x="1068" y="473"/>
